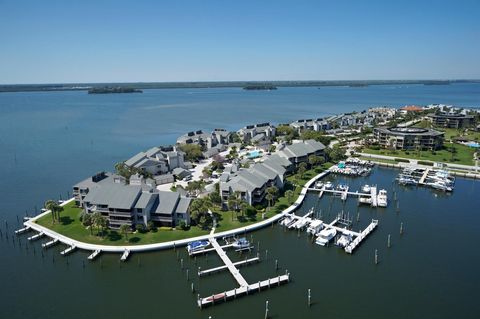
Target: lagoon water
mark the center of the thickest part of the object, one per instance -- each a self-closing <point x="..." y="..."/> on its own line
<point x="50" y="140"/>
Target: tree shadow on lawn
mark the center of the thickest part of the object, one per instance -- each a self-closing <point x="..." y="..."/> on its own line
<point x="66" y="220"/>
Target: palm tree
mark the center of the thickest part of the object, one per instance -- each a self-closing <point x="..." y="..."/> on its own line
<point x="302" y="168"/>
<point x="271" y="194"/>
<point x="289" y="195"/>
<point x="97" y="221"/>
<point x="313" y="160"/>
<point x="124" y="229"/>
<point x="53" y="207"/>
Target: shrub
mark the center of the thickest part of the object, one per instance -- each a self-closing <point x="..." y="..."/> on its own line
<point x="140" y="228"/>
<point x="403" y="160"/>
<point x="164" y="228"/>
<point x="425" y="163"/>
<point x="151" y="226"/>
<point x="182" y="225"/>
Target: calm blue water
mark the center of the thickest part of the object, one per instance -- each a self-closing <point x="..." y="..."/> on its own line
<point x="50" y="140"/>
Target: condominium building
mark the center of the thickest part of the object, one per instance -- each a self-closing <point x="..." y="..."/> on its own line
<point x="452" y="120"/>
<point x="408" y="138"/>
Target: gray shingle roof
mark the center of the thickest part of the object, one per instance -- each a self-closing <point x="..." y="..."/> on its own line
<point x="144" y="199"/>
<point x="135" y="159"/>
<point x="153" y="151"/>
<point x="167" y="201"/>
<point x="183" y="205"/>
<point x="114" y="195"/>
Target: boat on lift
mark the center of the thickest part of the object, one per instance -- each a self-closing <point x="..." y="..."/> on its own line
<point x="328" y="186"/>
<point x="314" y="227"/>
<point x="382" y="198"/>
<point x="197" y="245"/>
<point x="344" y="240"/>
<point x="325" y="236"/>
<point x="366" y="189"/>
<point x="241" y="243"/>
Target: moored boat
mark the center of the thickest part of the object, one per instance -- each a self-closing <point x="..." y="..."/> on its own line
<point x="325" y="236"/>
<point x="197" y="245"/>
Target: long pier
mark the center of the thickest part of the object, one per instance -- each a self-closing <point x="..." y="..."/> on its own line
<point x="349" y="249"/>
<point x="224" y="267"/>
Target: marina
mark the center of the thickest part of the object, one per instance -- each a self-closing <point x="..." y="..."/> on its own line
<point x="438" y="179"/>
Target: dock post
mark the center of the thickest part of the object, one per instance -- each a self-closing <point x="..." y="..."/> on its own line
<point x="225" y="296"/>
<point x="268" y="282"/>
<point x="276" y="264"/>
<point x="199" y="268"/>
<point x="388" y="242"/>
<point x="235" y="293"/>
<point x="401" y="228"/>
<point x="278" y="281"/>
<point x="193" y="288"/>
<point x="309" y="297"/>
<point x="376" y="257"/>
<point x="178" y="256"/>
<point x="213" y="300"/>
<point x="266" y="309"/>
<point x="259" y="286"/>
<point x="266" y="254"/>
<point x="298" y="233"/>
<point x="195" y="260"/>
<point x="258" y="245"/>
<point x="187" y="274"/>
<point x="181" y="263"/>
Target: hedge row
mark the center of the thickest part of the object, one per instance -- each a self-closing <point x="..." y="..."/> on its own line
<point x="403" y="160"/>
<point x="425" y="163"/>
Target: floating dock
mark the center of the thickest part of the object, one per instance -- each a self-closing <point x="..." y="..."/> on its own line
<point x="68" y="250"/>
<point x="50" y="243"/>
<point x="349" y="249"/>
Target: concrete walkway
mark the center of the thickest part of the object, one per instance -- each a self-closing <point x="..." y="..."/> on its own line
<point x="171" y="244"/>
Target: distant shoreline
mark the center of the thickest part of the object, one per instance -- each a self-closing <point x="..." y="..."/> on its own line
<point x="225" y="84"/>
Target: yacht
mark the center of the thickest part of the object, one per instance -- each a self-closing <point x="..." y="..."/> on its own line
<point x="342" y="187"/>
<point x="328" y="186"/>
<point x="404" y="180"/>
<point x="325" y="236"/>
<point x="241" y="243"/>
<point x="287" y="221"/>
<point x="344" y="240"/>
<point x="366" y="188"/>
<point x="319" y="185"/>
<point x="197" y="245"/>
<point x="382" y="198"/>
<point x="440" y="186"/>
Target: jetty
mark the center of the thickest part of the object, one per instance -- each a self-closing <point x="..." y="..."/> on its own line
<point x="94" y="254"/>
<point x="50" y="243"/>
<point x="68" y="250"/>
<point x="244" y="287"/>
<point x="22" y="230"/>
<point x="358" y="239"/>
<point x="366" y="198"/>
<point x="35" y="237"/>
<point x="125" y="255"/>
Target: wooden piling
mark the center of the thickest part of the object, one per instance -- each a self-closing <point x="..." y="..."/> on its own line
<point x="388" y="241"/>
<point x="401" y="228"/>
<point x="266" y="309"/>
<point x="376" y="257"/>
<point x="309" y="297"/>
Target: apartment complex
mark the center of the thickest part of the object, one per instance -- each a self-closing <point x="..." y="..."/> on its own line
<point x="408" y="138"/>
<point x="158" y="160"/>
<point x="135" y="203"/>
<point x="452" y="120"/>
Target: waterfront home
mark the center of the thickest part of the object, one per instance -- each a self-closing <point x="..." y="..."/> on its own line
<point x="408" y="138"/>
<point x="411" y="109"/>
<point x="157" y="160"/>
<point x="248" y="132"/>
<point x="299" y="151"/>
<point x="130" y="204"/>
<point x="449" y="120"/>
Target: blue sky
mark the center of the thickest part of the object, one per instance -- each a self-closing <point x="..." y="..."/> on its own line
<point x="130" y="41"/>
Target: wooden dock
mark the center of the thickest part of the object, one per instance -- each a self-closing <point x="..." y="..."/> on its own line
<point x="50" y="243"/>
<point x="242" y="291"/>
<point x="68" y="250"/>
<point x="373" y="196"/>
<point x="224" y="267"/>
<point x="94" y="254"/>
<point x="345" y="193"/>
<point x="424" y="176"/>
<point x="233" y="270"/>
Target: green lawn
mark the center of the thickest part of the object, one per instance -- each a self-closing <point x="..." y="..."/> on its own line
<point x="70" y="226"/>
<point x="378" y="160"/>
<point x="463" y="156"/>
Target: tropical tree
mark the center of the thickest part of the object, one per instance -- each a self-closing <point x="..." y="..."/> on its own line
<point x="124" y="229"/>
<point x="289" y="194"/>
<point x="272" y="192"/>
<point x="199" y="210"/>
<point x="302" y="168"/>
<point x="87" y="221"/>
<point x="54" y="208"/>
<point x="313" y="160"/>
<point x="97" y="221"/>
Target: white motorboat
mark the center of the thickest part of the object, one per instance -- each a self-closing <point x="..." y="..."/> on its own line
<point x="241" y="243"/>
<point x="342" y="187"/>
<point x="365" y="200"/>
<point x="315" y="227"/>
<point x="440" y="186"/>
<point x="319" y="185"/>
<point x="344" y="240"/>
<point x="325" y="236"/>
<point x="197" y="245"/>
<point x="302" y="222"/>
<point x="328" y="186"/>
<point x="366" y="189"/>
<point x="382" y="198"/>
<point x="287" y="220"/>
